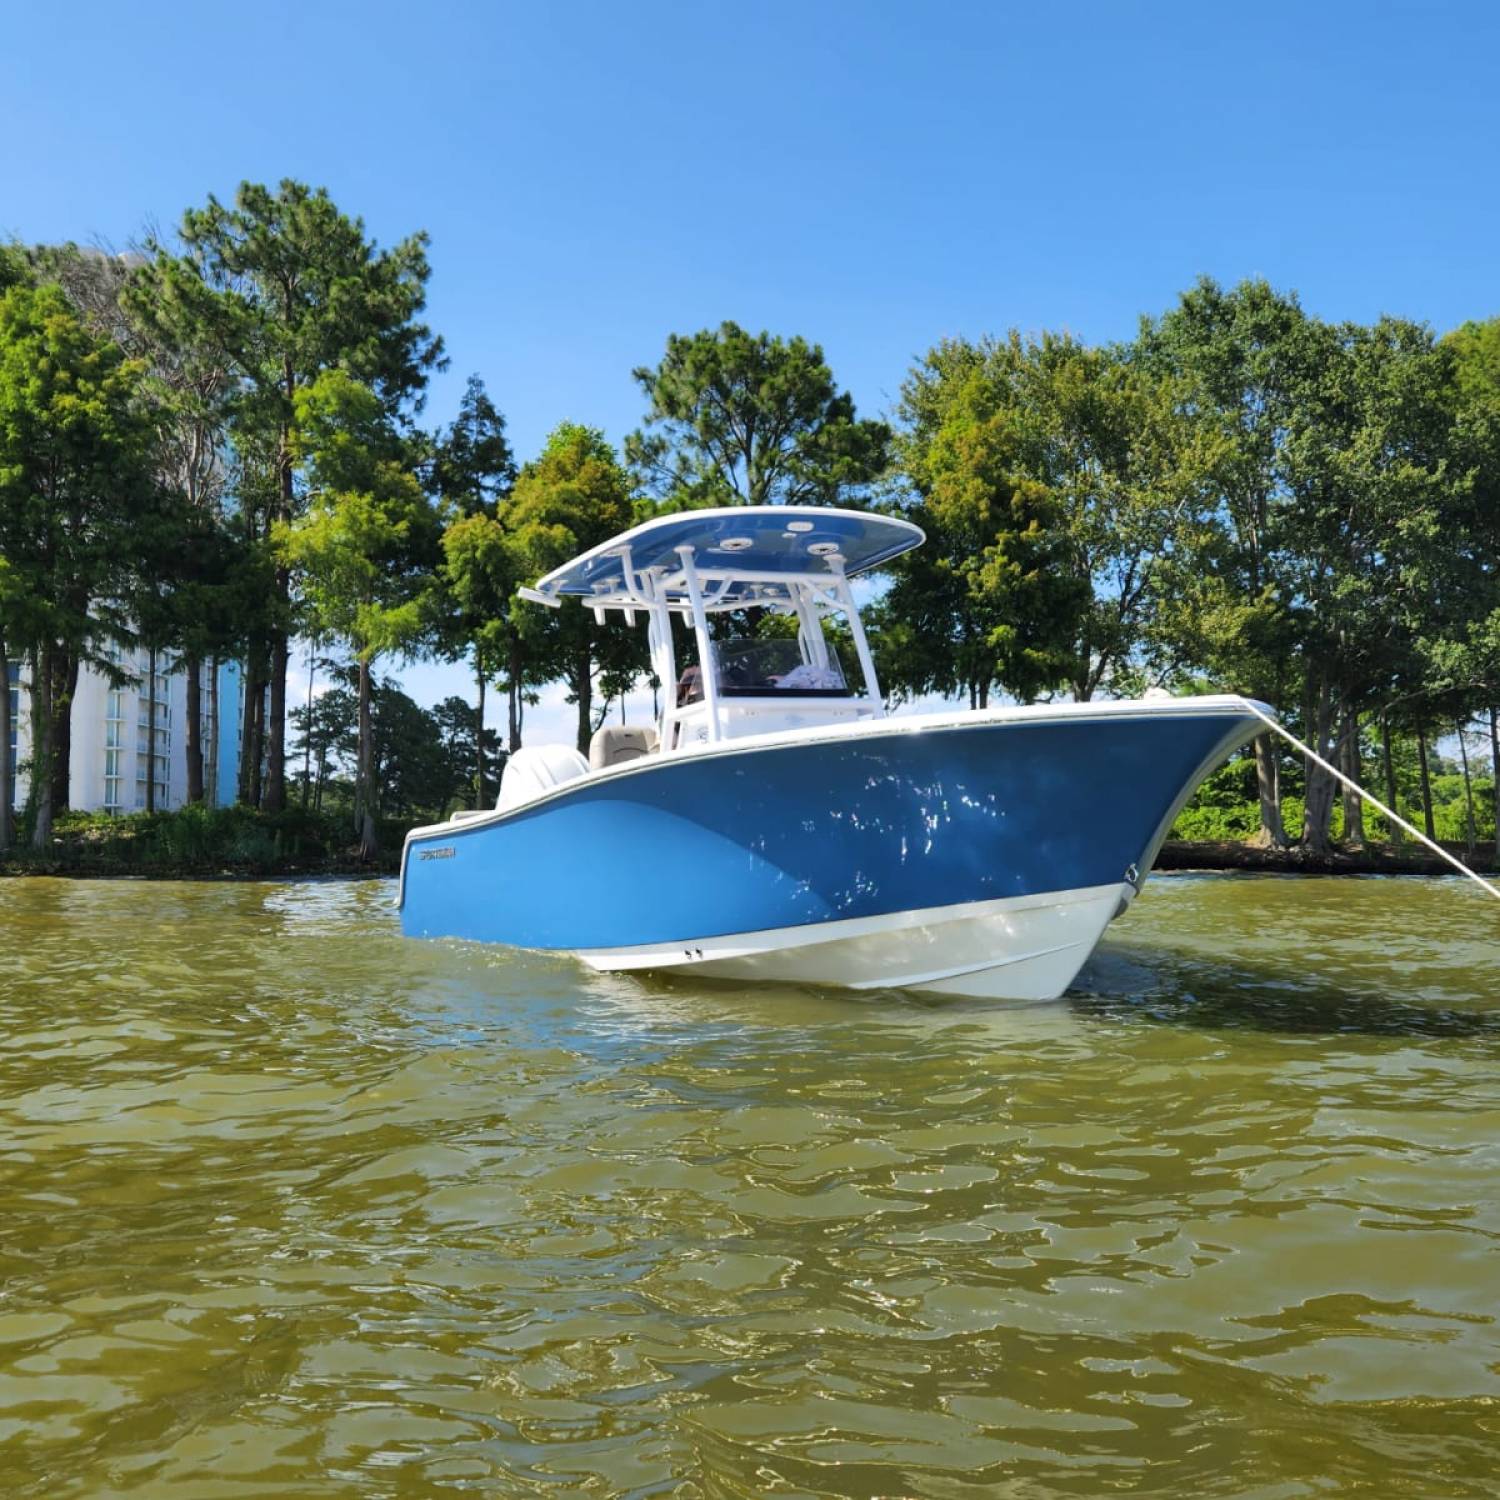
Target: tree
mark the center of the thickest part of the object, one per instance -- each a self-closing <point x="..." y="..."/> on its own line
<point x="191" y="384"/>
<point x="1379" y="504"/>
<point x="573" y="497"/>
<point x="9" y="601"/>
<point x="15" y="267"/>
<point x="747" y="419"/>
<point x="190" y="591"/>
<point x="472" y="471"/>
<point x="464" y="744"/>
<point x="483" y="566"/>
<point x="75" y="479"/>
<point x="1476" y="379"/>
<point x="994" y="590"/>
<point x="1476" y="351"/>
<point x="472" y="464"/>
<point x="327" y="734"/>
<point x="363" y="547"/>
<point x="289" y="287"/>
<point x="1241" y="357"/>
<point x="14" y="271"/>
<point x="413" y="766"/>
<point x="1060" y="485"/>
<point x="422" y="757"/>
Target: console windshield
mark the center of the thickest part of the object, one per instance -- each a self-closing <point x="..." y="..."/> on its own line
<point x="751" y="668"/>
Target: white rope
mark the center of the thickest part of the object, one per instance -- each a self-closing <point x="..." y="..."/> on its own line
<point x="1374" y="801"/>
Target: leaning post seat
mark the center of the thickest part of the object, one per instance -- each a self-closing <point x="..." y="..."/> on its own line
<point x="535" y="769"/>
<point x="617" y="743"/>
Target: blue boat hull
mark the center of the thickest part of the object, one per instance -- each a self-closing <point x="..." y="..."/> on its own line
<point x="818" y="834"/>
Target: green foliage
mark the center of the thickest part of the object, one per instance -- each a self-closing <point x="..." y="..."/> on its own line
<point x="472" y="465"/>
<point x="74" y="466"/>
<point x="575" y="496"/>
<point x="1061" y="487"/>
<point x="78" y="502"/>
<point x="291" y="287"/>
<point x="216" y="448"/>
<point x="15" y="268"/>
<point x="1224" y="808"/>
<point x="457" y="736"/>
<point x="285" y="288"/>
<point x="1476" y="350"/>
<point x="473" y="599"/>
<point x="750" y="419"/>
<point x="365" y="546"/>
<point x="232" y="841"/>
<point x="368" y="537"/>
<point x="423" y="759"/>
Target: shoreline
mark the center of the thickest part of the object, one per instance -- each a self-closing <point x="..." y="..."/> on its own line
<point x="1177" y="856"/>
<point x="383" y="868"/>
<point x="1182" y="855"/>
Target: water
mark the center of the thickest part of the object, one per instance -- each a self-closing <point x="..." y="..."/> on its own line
<point x="291" y="1207"/>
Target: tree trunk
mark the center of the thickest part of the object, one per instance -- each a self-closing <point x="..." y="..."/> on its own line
<point x="7" y="771"/>
<point x="583" y="684"/>
<point x="63" y="686"/>
<point x="247" y="729"/>
<point x="213" y="731"/>
<point x="1495" y="774"/>
<point x="1268" y="786"/>
<point x="280" y="642"/>
<point x="1472" y="837"/>
<point x="1318" y="807"/>
<point x="1354" y="804"/>
<point x="513" y="692"/>
<point x="194" y="729"/>
<point x="151" y="730"/>
<point x="256" y="708"/>
<point x="1394" y="829"/>
<point x="479" y="728"/>
<point x="1427" y="824"/>
<point x="276" y="725"/>
<point x="34" y="713"/>
<point x="364" y="791"/>
<point x="312" y="672"/>
<point x="43" y="749"/>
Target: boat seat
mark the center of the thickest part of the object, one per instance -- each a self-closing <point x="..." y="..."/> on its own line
<point x="534" y="770"/>
<point x="617" y="743"/>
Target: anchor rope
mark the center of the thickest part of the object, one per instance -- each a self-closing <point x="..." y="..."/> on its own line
<point x="1369" y="797"/>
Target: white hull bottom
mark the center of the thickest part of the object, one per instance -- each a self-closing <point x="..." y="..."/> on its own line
<point x="1020" y="948"/>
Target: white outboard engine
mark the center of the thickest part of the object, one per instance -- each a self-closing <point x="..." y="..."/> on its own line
<point x="534" y="770"/>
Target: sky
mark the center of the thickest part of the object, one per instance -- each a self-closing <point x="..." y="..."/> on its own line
<point x="872" y="176"/>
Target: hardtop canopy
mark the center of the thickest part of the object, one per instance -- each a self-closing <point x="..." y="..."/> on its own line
<point x="742" y="555"/>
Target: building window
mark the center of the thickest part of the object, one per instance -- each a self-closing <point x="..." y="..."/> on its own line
<point x="112" y="781"/>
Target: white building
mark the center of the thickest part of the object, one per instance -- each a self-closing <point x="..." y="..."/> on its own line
<point x="114" y="741"/>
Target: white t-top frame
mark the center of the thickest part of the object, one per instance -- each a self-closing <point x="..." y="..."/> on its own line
<point x="695" y="589"/>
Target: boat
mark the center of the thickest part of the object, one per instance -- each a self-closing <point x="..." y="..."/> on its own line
<point x="777" y="823"/>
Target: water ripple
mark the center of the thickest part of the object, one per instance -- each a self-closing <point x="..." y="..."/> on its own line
<point x="295" y="1207"/>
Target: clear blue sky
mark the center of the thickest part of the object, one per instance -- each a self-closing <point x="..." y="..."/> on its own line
<point x="874" y="176"/>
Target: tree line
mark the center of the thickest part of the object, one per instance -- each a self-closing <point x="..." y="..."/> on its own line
<point x="213" y="445"/>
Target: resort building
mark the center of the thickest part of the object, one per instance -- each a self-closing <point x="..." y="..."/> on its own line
<point x="117" y="741"/>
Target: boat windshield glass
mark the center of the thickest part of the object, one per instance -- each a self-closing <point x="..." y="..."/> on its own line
<point x="775" y="668"/>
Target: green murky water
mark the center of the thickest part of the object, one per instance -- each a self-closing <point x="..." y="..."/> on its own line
<point x="292" y="1207"/>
